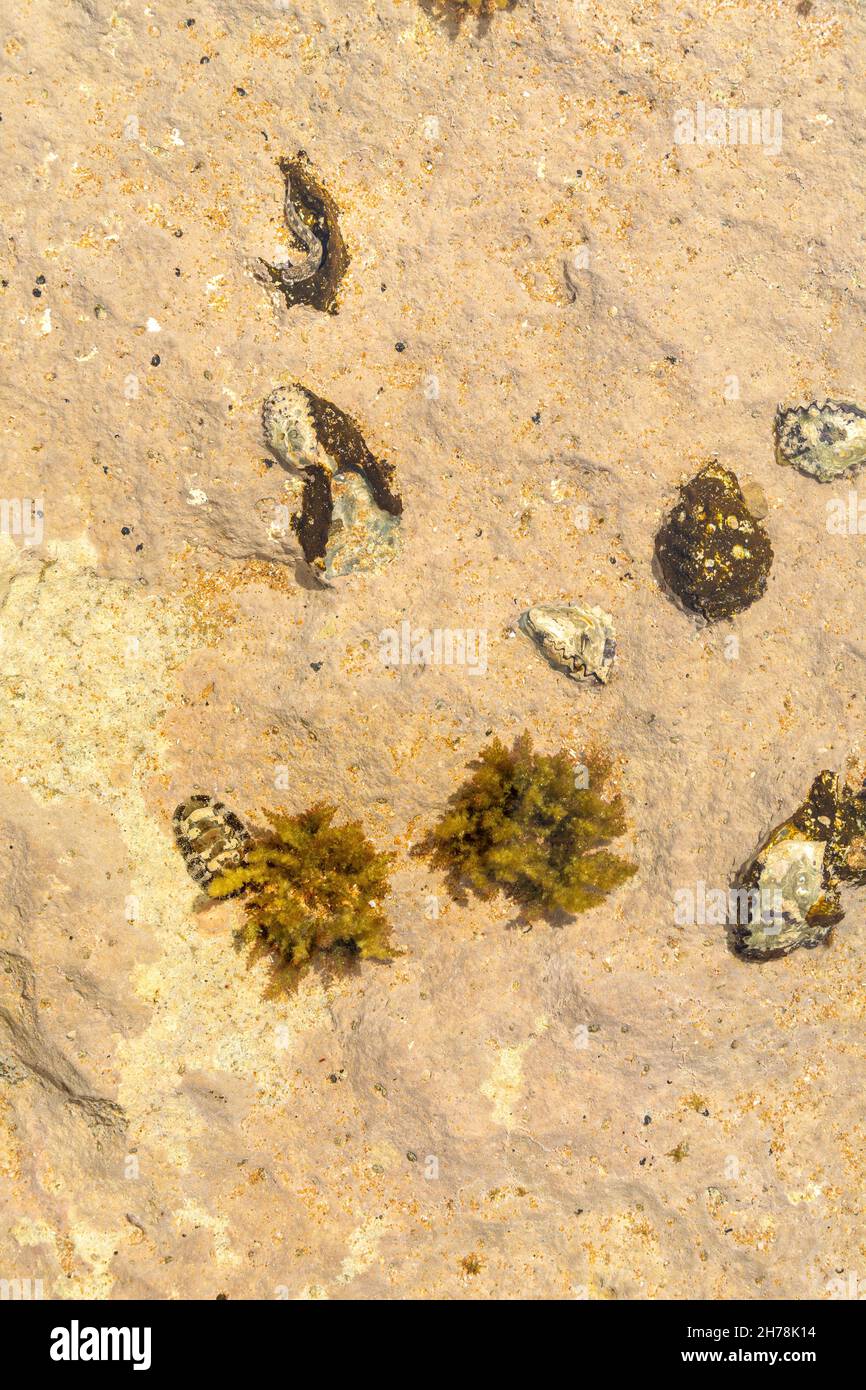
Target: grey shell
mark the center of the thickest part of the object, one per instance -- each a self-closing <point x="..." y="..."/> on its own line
<point x="825" y="441"/>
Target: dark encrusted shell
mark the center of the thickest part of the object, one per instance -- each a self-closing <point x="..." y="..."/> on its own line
<point x="713" y="553"/>
<point x="210" y="837"/>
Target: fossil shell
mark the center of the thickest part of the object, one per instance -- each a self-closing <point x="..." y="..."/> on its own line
<point x="826" y="441"/>
<point x="209" y="836"/>
<point x="349" y="517"/>
<point x="577" y="640"/>
<point x="712" y="551"/>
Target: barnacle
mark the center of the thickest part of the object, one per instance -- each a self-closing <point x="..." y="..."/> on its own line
<point x="349" y="516"/>
<point x="575" y="639"/>
<point x="826" y="440"/>
<point x="525" y="824"/>
<point x="712" y="551"/>
<point x="311" y="217"/>
<point x="312" y="886"/>
<point x="209" y="836"/>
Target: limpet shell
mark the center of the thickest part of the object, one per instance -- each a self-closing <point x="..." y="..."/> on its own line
<point x="713" y="553"/>
<point x="824" y="440"/>
<point x="576" y="639"/>
<point x="210" y="837"/>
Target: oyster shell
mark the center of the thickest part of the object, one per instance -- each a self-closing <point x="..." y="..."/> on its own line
<point x="575" y="639"/>
<point x="825" y="441"/>
<point x="713" y="552"/>
<point x="792" y="883"/>
<point x="210" y="837"/>
<point x="349" y="517"/>
<point x="361" y="535"/>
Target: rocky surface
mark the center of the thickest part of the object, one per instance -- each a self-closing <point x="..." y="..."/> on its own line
<point x="553" y="314"/>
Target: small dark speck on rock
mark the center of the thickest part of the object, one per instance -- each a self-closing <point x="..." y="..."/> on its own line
<point x="40" y="279"/>
<point x="412" y="1156"/>
<point x="154" y="361"/>
<point x="124" y="530"/>
<point x="536" y="419"/>
<point x="241" y="91"/>
<point x="647" y="1119"/>
<point x="37" y="294"/>
<point x="139" y="547"/>
<point x="401" y="347"/>
<point x="205" y="59"/>
<point x="317" y="665"/>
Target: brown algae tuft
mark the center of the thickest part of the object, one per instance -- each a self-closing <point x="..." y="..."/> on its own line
<point x="535" y="827"/>
<point x="312" y="886"/>
<point x="713" y="553"/>
<point x="311" y="217"/>
<point x="349" y="520"/>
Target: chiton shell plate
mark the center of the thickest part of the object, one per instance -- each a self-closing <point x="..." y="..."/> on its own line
<point x="210" y="837"/>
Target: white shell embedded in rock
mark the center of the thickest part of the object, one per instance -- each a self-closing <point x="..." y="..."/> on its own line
<point x="362" y="537"/>
<point x="575" y="639"/>
<point x="824" y="441"/>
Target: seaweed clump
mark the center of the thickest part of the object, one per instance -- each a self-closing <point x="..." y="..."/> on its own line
<point x="312" y="886"/>
<point x="525" y="824"/>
